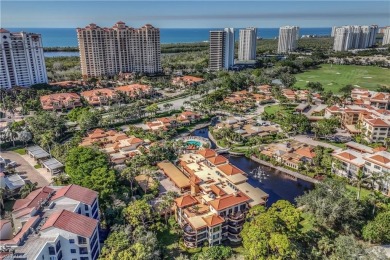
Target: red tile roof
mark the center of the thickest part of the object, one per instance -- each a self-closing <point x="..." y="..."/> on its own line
<point x="230" y="169"/>
<point x="33" y="199"/>
<point x="229" y="201"/>
<point x="347" y="156"/>
<point x="76" y="192"/>
<point x="306" y="152"/>
<point x="206" y="153"/>
<point x="217" y="190"/>
<point x="219" y="159"/>
<point x="377" y="122"/>
<point x="380" y="158"/>
<point x="72" y="222"/>
<point x="186" y="200"/>
<point x="378" y="149"/>
<point x="213" y="220"/>
<point x="333" y="108"/>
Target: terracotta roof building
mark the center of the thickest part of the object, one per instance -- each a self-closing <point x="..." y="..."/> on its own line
<point x="187" y="81"/>
<point x="218" y="201"/>
<point x="61" y="217"/>
<point x="136" y="90"/>
<point x="117" y="145"/>
<point x="100" y="96"/>
<point x="358" y="157"/>
<point x="60" y="101"/>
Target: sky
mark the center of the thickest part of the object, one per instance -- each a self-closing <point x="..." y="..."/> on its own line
<point x="192" y="14"/>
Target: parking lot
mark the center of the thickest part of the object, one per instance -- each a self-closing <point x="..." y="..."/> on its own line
<point x="25" y="169"/>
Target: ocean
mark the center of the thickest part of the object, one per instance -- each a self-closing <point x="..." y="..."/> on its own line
<point x="66" y="37"/>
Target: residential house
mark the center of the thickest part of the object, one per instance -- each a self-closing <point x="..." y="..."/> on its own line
<point x="60" y="101"/>
<point x="291" y="153"/>
<point x="102" y="96"/>
<point x="136" y="90"/>
<point x="117" y="145"/>
<point x="184" y="81"/>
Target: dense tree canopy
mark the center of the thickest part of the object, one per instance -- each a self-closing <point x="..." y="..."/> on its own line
<point x="136" y="246"/>
<point x="272" y="233"/>
<point x="378" y="230"/>
<point x="333" y="206"/>
<point x="214" y="253"/>
<point x="89" y="168"/>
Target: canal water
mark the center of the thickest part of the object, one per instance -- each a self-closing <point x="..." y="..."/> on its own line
<point x="271" y="181"/>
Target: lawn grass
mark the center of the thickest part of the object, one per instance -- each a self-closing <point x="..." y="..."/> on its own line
<point x="274" y="109"/>
<point x="37" y="166"/>
<point x="20" y="151"/>
<point x="341" y="145"/>
<point x="334" y="77"/>
<point x="364" y="193"/>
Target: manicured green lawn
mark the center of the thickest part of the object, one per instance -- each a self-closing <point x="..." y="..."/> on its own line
<point x="278" y="108"/>
<point x="20" y="151"/>
<point x="37" y="166"/>
<point x="272" y="109"/>
<point x="364" y="193"/>
<point x="334" y="77"/>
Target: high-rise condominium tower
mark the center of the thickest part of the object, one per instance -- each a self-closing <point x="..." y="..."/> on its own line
<point x="108" y="51"/>
<point x="288" y="36"/>
<point x="386" y="36"/>
<point x="221" y="49"/>
<point x="247" y="44"/>
<point x="21" y="59"/>
<point x="354" y="37"/>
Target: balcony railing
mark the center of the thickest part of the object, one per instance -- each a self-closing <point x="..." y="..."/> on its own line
<point x="190" y="244"/>
<point x="189" y="238"/>
<point x="188" y="230"/>
<point x="234" y="238"/>
<point x="234" y="231"/>
<point x="236" y="216"/>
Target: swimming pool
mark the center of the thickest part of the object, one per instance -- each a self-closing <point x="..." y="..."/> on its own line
<point x="193" y="142"/>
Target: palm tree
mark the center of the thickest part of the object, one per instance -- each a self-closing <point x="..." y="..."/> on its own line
<point x="130" y="173"/>
<point x="376" y="197"/>
<point x="387" y="142"/>
<point x="47" y="140"/>
<point x="27" y="189"/>
<point x="360" y="179"/>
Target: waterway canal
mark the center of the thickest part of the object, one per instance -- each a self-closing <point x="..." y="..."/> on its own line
<point x="273" y="182"/>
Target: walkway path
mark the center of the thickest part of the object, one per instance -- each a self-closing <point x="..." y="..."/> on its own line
<point x="26" y="170"/>
<point x="287" y="171"/>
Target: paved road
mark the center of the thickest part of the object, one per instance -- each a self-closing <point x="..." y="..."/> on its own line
<point x="309" y="140"/>
<point x="24" y="169"/>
